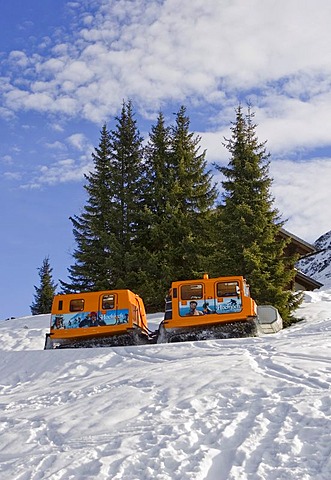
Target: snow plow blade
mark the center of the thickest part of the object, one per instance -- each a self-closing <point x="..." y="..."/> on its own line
<point x="269" y="319"/>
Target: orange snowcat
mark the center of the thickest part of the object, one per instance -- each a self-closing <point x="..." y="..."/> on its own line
<point x="107" y="318"/>
<point x="200" y="309"/>
<point x="209" y="308"/>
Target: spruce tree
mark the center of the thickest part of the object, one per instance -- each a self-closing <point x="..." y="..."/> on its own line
<point x="158" y="168"/>
<point x="106" y="231"/>
<point x="155" y="272"/>
<point x="180" y="200"/>
<point x="248" y="241"/>
<point x="91" y="229"/>
<point x="43" y="297"/>
<point x="127" y="187"/>
<point x="192" y="198"/>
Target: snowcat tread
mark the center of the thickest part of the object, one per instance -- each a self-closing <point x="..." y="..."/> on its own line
<point x="239" y="329"/>
<point x="123" y="340"/>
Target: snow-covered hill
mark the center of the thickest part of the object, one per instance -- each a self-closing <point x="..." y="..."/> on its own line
<point x="256" y="409"/>
<point x="318" y="266"/>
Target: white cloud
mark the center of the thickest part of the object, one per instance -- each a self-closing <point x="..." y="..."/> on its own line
<point x="7" y="159"/>
<point x="12" y="175"/>
<point x="18" y="58"/>
<point x="62" y="171"/>
<point x="66" y="166"/>
<point x="212" y="143"/>
<point x="55" y="145"/>
<point x="77" y="72"/>
<point x="50" y="67"/>
<point x="78" y="141"/>
<point x="57" y="127"/>
<point x="154" y="52"/>
<point x="287" y="124"/>
<point x="6" y="113"/>
<point x="301" y="191"/>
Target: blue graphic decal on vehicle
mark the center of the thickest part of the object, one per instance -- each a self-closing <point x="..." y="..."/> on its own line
<point x="89" y="319"/>
<point x="200" y="307"/>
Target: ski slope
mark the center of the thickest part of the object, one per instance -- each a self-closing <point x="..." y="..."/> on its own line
<point x="235" y="409"/>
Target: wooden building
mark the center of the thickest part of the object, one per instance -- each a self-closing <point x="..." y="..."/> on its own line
<point x="302" y="248"/>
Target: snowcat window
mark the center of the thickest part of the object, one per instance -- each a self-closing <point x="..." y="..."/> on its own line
<point x="191" y="292"/>
<point x="60" y="307"/>
<point x="228" y="289"/>
<point x="108" y="302"/>
<point x="246" y="290"/>
<point x="76" y="305"/>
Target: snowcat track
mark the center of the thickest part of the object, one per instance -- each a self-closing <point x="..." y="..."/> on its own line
<point x="248" y="328"/>
<point x="123" y="340"/>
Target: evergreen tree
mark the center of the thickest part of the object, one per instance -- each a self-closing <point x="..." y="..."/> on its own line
<point x="158" y="168"/>
<point x="155" y="274"/>
<point x="180" y="199"/>
<point x="248" y="242"/>
<point x="192" y="197"/>
<point x="127" y="187"/>
<point x="106" y="231"/>
<point x="91" y="229"/>
<point x="43" y="297"/>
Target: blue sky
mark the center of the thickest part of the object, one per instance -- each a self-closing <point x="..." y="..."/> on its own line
<point x="66" y="67"/>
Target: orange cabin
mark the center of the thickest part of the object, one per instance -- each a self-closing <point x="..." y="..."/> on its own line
<point x="209" y="301"/>
<point x="96" y="314"/>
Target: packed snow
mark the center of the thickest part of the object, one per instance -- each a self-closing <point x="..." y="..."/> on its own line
<point x="257" y="408"/>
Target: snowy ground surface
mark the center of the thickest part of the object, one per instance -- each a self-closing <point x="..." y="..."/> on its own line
<point x="256" y="408"/>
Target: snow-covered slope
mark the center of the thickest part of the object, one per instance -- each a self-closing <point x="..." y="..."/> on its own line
<point x="318" y="266"/>
<point x="256" y="409"/>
